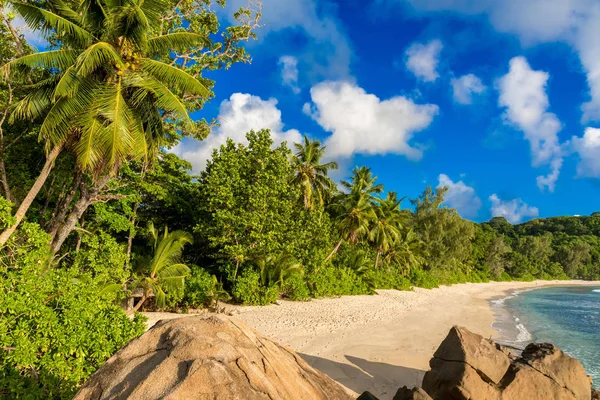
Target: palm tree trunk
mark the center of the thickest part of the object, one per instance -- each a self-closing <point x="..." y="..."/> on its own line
<point x="31" y="195"/>
<point x="138" y="305"/>
<point x="377" y="258"/>
<point x="337" y="247"/>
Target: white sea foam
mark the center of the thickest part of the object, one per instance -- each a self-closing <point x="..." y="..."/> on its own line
<point x="523" y="335"/>
<point x="596" y="290"/>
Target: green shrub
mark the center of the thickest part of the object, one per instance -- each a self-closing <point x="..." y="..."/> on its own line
<point x="384" y="278"/>
<point x="248" y="290"/>
<point x="423" y="279"/>
<point x="336" y="281"/>
<point x="505" y="277"/>
<point x="56" y="326"/>
<point x="103" y="257"/>
<point x="295" y="288"/>
<point x="199" y="287"/>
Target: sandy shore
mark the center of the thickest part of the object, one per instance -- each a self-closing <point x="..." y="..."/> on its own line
<point x="378" y="343"/>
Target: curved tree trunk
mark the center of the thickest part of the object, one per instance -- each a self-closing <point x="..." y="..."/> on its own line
<point x="138" y="305"/>
<point x="337" y="247"/>
<point x="87" y="198"/>
<point x="33" y="192"/>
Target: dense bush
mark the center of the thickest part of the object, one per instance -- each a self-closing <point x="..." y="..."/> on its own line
<point x="249" y="290"/>
<point x="199" y="288"/>
<point x="336" y="281"/>
<point x="57" y="326"/>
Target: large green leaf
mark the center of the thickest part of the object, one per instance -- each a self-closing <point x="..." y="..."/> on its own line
<point x="174" y="77"/>
<point x="40" y="19"/>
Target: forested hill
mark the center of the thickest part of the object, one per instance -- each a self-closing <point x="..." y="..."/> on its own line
<point x="538" y="245"/>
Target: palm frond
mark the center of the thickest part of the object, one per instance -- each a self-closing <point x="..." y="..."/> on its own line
<point x="34" y="105"/>
<point x="98" y="55"/>
<point x="177" y="41"/>
<point x="174" y="77"/>
<point x="46" y="21"/>
<point x="53" y="59"/>
<point x="165" y="99"/>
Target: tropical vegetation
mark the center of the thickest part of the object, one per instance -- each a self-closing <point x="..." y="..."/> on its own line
<point x="87" y="178"/>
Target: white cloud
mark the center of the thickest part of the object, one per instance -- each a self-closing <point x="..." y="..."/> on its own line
<point x="423" y="59"/>
<point x="514" y="210"/>
<point x="575" y="22"/>
<point x="460" y="196"/>
<point x="523" y="94"/>
<point x="588" y="148"/>
<point x="289" y="72"/>
<point x="362" y="123"/>
<point x="238" y="115"/>
<point x="464" y="87"/>
<point x="327" y="50"/>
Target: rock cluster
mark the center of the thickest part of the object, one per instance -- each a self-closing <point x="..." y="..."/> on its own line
<point x="467" y="366"/>
<point x="217" y="357"/>
<point x="207" y="358"/>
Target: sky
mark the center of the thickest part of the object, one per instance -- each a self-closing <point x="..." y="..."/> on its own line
<point x="499" y="100"/>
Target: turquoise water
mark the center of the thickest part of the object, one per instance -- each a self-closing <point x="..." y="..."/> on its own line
<point x="569" y="317"/>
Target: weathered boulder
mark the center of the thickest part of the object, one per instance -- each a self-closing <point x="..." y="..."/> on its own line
<point x="527" y="383"/>
<point x="207" y="358"/>
<point x="484" y="356"/>
<point x="367" y="396"/>
<point x="467" y="366"/>
<point x="566" y="371"/>
<point x="405" y="393"/>
<point x="457" y="380"/>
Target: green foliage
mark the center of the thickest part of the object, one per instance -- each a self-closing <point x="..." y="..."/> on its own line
<point x="248" y="289"/>
<point x="332" y="281"/>
<point x="103" y="257"/>
<point x="202" y="289"/>
<point x="56" y="325"/>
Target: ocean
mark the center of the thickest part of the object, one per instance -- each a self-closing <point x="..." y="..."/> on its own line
<point x="568" y="317"/>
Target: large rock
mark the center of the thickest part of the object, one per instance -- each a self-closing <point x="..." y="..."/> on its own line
<point x="484" y="356"/>
<point x="207" y="358"/>
<point x="405" y="393"/>
<point x="556" y="365"/>
<point x="467" y="366"/>
<point x="527" y="383"/>
<point x="457" y="380"/>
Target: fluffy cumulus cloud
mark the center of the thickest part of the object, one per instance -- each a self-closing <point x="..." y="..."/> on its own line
<point x="588" y="148"/>
<point x="238" y="115"/>
<point x="575" y="22"/>
<point x="465" y="87"/>
<point x="460" y="196"/>
<point x="423" y="59"/>
<point x="289" y="72"/>
<point x="515" y="210"/>
<point x="523" y="95"/>
<point x="363" y="123"/>
<point x="327" y="49"/>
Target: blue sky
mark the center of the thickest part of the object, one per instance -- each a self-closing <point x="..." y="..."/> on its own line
<point x="498" y="100"/>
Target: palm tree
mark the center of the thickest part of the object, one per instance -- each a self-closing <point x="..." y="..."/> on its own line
<point x="354" y="211"/>
<point x="363" y="182"/>
<point x="105" y="92"/>
<point x="275" y="270"/>
<point x="408" y="252"/>
<point x="164" y="272"/>
<point x="310" y="174"/>
<point x="387" y="224"/>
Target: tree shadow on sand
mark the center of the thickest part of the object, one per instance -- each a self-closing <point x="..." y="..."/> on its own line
<point x="359" y="375"/>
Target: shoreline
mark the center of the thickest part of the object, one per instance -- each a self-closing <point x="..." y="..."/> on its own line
<point x="381" y="342"/>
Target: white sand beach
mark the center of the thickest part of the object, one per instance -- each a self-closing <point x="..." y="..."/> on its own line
<point x="381" y="342"/>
